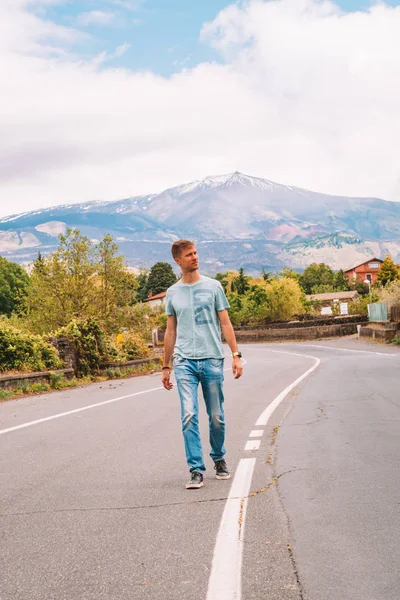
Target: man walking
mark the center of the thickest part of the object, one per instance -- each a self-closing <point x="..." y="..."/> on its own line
<point x="196" y="308"/>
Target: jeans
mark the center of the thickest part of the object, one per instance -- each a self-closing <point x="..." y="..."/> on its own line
<point x="209" y="372"/>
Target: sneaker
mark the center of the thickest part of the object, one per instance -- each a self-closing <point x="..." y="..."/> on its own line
<point x="196" y="481"/>
<point x="222" y="471"/>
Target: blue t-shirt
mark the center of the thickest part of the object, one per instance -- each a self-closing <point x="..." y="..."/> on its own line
<point x="195" y="307"/>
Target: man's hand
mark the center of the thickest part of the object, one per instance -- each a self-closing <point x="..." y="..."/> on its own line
<point x="237" y="367"/>
<point x="166" y="379"/>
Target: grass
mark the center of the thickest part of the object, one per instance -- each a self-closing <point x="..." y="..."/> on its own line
<point x="57" y="381"/>
<point x="135" y="371"/>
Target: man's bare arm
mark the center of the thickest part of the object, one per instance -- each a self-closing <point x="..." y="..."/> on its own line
<point x="169" y="340"/>
<point x="230" y="337"/>
<point x="169" y="345"/>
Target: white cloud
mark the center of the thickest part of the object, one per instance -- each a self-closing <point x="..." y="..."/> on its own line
<point x="95" y="17"/>
<point x="23" y="34"/>
<point x="307" y="95"/>
<point x="105" y="56"/>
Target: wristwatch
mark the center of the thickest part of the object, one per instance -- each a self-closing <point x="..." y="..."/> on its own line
<point x="238" y="354"/>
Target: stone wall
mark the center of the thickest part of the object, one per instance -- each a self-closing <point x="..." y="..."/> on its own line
<point x="296" y="333"/>
<point x="12" y="382"/>
<point x="384" y="332"/>
<point x="123" y="367"/>
<point x="65" y="351"/>
<point x="308" y="329"/>
<point x="312" y="322"/>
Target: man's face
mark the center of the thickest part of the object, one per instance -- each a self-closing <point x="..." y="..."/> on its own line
<point x="188" y="260"/>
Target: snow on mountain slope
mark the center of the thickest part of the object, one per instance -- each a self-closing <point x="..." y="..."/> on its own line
<point x="53" y="228"/>
<point x="282" y="224"/>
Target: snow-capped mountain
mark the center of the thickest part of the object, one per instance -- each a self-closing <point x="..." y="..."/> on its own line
<point x="237" y="220"/>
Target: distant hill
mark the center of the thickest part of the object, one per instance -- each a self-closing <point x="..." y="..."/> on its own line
<point x="237" y="220"/>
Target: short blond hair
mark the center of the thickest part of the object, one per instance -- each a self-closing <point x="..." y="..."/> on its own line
<point x="178" y="247"/>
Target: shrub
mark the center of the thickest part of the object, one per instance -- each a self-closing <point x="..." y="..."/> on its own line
<point x="39" y="387"/>
<point x="391" y="294"/>
<point x="141" y="317"/>
<point x="56" y="380"/>
<point x="284" y="298"/>
<point x="21" y="351"/>
<point x="134" y="346"/>
<point x="110" y="373"/>
<point x="90" y="345"/>
<point x="275" y="300"/>
<point x="162" y="321"/>
<point x="359" y="306"/>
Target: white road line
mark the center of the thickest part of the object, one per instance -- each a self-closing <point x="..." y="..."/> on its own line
<point x="77" y="410"/>
<point x="264" y="417"/>
<point x="226" y="574"/>
<point x="252" y="445"/>
<point x="351" y="350"/>
<point x="256" y="433"/>
<point x="225" y="581"/>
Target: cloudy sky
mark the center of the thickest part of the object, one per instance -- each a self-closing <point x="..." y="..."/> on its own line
<point x="104" y="99"/>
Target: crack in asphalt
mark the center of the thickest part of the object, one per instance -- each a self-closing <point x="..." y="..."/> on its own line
<point x="144" y="506"/>
<point x="273" y="482"/>
<point x="113" y="508"/>
<point x="283" y="508"/>
<point x="264" y="489"/>
<point x="274" y="435"/>
<point x="240" y="522"/>
<point x="296" y="573"/>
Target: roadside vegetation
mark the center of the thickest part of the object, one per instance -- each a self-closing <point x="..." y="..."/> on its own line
<point x="283" y="296"/>
<point x="59" y="382"/>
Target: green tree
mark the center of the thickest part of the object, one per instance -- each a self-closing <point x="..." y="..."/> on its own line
<point x="359" y="286"/>
<point x="241" y="283"/>
<point x="127" y="288"/>
<point x="222" y="278"/>
<point x="258" y="294"/>
<point x="63" y="285"/>
<point x="285" y="299"/>
<point x="236" y="306"/>
<point x="117" y="285"/>
<point x="266" y="275"/>
<point x="287" y="272"/>
<point x="323" y="288"/>
<point x="39" y="263"/>
<point x="14" y="283"/>
<point x="391" y="293"/>
<point x="80" y="281"/>
<point x="389" y="271"/>
<point x="142" y="286"/>
<point x="340" y="281"/>
<point x="278" y="299"/>
<point x="74" y="263"/>
<point x="230" y="277"/>
<point x="109" y="268"/>
<point x="161" y="277"/>
<point x="315" y="275"/>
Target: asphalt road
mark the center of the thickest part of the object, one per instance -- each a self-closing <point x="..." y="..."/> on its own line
<point x="93" y="504"/>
